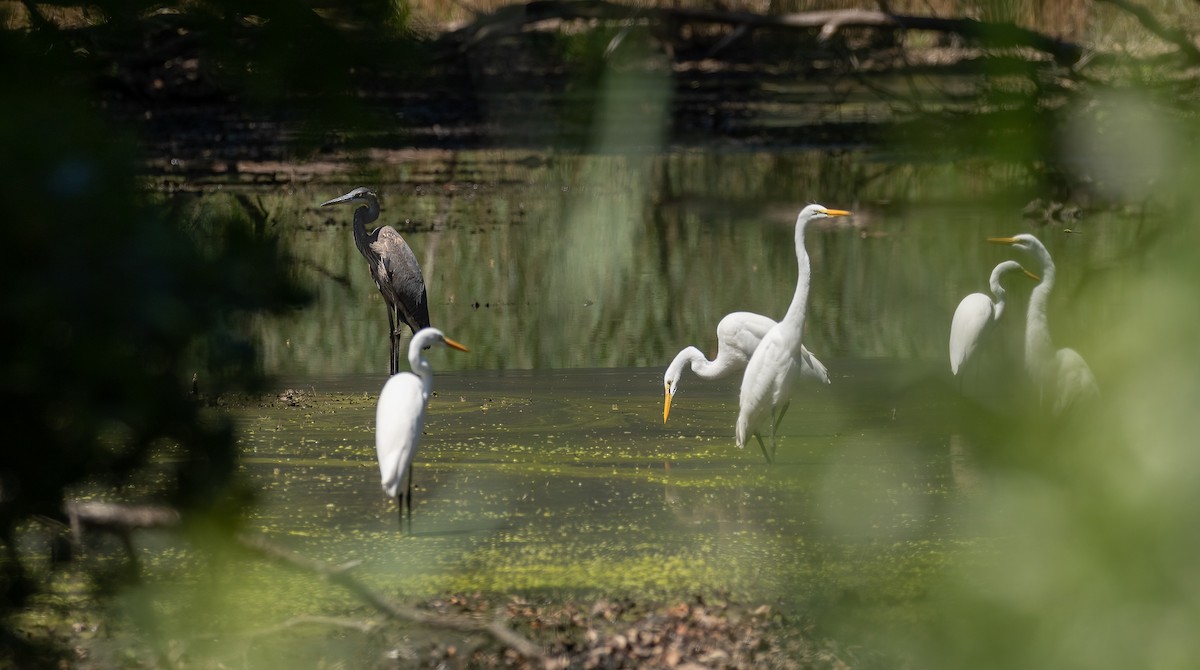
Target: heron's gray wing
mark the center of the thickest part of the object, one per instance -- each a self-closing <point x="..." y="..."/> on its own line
<point x="400" y="277"/>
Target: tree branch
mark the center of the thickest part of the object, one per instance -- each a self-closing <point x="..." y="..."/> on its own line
<point x="512" y="18"/>
<point x="303" y="620"/>
<point x="1187" y="47"/>
<point x="339" y="575"/>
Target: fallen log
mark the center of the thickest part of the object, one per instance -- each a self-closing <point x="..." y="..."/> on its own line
<point x="513" y="19"/>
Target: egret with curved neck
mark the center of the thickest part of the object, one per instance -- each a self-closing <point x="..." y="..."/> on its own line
<point x="976" y="313"/>
<point x="1062" y="376"/>
<point x="393" y="267"/>
<point x="738" y="335"/>
<point x="400" y="415"/>
<point x="767" y="384"/>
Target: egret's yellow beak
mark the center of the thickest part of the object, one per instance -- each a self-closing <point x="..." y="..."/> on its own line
<point x="1002" y="240"/>
<point x="837" y="212"/>
<point x="454" y="345"/>
<point x="1031" y="275"/>
<point x="666" y="405"/>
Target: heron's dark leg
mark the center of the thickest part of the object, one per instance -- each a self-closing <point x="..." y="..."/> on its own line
<point x="393" y="361"/>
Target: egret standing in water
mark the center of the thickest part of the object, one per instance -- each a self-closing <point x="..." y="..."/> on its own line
<point x="1062" y="376"/>
<point x="738" y="335"/>
<point x="401" y="414"/>
<point x="976" y="314"/>
<point x="767" y="384"/>
<point x="393" y="267"/>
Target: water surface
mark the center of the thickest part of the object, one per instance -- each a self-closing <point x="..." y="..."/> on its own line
<point x="566" y="484"/>
<point x="545" y="469"/>
<point x="561" y="261"/>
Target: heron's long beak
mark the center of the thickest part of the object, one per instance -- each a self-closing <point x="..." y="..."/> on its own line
<point x="666" y="405"/>
<point x="340" y="199"/>
<point x="1031" y="275"/>
<point x="1002" y="240"/>
<point x="454" y="345"/>
<point x="837" y="212"/>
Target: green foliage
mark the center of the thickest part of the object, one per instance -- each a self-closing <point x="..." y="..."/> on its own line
<point x="109" y="310"/>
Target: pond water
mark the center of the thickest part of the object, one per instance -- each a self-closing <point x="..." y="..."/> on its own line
<point x="538" y="261"/>
<point x="546" y="469"/>
<point x="566" y="483"/>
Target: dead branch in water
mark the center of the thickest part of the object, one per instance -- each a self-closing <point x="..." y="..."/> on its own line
<point x="123" y="519"/>
<point x="339" y="575"/>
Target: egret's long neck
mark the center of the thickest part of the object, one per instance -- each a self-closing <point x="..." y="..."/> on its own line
<point x="792" y="323"/>
<point x="694" y="358"/>
<point x="362" y="239"/>
<point x="1038" y="346"/>
<point x="998" y="291"/>
<point x="421" y="368"/>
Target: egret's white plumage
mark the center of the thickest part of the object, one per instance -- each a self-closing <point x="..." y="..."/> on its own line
<point x="772" y="369"/>
<point x="400" y="414"/>
<point x="738" y="335"/>
<point x="1062" y="376"/>
<point x="976" y="314"/>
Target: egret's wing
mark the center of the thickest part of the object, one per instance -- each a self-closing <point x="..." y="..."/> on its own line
<point x="1074" y="379"/>
<point x="398" y="421"/>
<point x="738" y="335"/>
<point x="766" y="373"/>
<point x="811" y="366"/>
<point x="747" y="324"/>
<point x="973" y="315"/>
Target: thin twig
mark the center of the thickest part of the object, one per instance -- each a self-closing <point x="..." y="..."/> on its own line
<point x="336" y="622"/>
<point x="339" y="575"/>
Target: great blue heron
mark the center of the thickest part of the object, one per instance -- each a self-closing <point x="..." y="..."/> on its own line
<point x="738" y="335"/>
<point x="1062" y="376"/>
<point x="767" y="384"/>
<point x="976" y="313"/>
<point x="393" y="267"/>
<point x="401" y="414"/>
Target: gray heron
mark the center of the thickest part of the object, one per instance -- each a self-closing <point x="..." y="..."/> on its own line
<point x="393" y="267"/>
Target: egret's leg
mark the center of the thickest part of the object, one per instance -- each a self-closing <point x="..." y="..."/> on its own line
<point x="774" y="424"/>
<point x="779" y="419"/>
<point x="411" y="494"/>
<point x="763" y="447"/>
<point x="775" y="428"/>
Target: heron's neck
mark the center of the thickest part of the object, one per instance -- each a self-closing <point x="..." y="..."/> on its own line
<point x="792" y="323"/>
<point x="1038" y="346"/>
<point x="362" y="239"/>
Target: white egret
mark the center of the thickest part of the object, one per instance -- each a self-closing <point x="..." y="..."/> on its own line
<point x="401" y="414"/>
<point x="738" y="335"/>
<point x="1062" y="376"/>
<point x="976" y="313"/>
<point x="767" y="384"/>
<point x="393" y="267"/>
